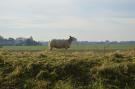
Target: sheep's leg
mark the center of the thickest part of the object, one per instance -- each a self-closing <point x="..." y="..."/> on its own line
<point x="51" y="48"/>
<point x="66" y="48"/>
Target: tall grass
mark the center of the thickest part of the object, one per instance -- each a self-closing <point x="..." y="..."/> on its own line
<point x="66" y="70"/>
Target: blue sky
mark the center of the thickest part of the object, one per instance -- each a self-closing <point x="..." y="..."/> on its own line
<point x="92" y="20"/>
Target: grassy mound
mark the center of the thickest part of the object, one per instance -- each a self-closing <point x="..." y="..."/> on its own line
<point x="66" y="70"/>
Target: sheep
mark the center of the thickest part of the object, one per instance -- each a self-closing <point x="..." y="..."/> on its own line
<point x="61" y="43"/>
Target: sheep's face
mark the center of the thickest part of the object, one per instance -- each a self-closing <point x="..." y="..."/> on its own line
<point x="72" y="38"/>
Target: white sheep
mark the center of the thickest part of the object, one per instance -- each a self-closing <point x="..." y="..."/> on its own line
<point x="61" y="43"/>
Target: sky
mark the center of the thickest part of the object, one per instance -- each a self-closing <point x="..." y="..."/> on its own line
<point x="91" y="20"/>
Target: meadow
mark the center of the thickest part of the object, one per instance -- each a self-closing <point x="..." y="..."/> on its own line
<point x="77" y="47"/>
<point x="35" y="67"/>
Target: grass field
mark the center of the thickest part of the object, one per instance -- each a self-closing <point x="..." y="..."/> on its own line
<point x="74" y="47"/>
<point x="80" y="67"/>
<point x="66" y="70"/>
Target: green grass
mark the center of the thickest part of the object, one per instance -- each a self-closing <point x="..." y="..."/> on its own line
<point x="74" y="47"/>
<point x="25" y="48"/>
<point x="101" y="46"/>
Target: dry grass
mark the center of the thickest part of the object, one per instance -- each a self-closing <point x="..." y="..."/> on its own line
<point x="66" y="70"/>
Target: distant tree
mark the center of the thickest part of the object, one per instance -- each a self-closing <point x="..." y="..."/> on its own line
<point x="107" y="41"/>
<point x="1" y="37"/>
<point x="11" y="39"/>
<point x="1" y="40"/>
<point x="31" y="38"/>
<point x="29" y="42"/>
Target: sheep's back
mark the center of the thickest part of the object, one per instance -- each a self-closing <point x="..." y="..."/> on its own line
<point x="59" y="43"/>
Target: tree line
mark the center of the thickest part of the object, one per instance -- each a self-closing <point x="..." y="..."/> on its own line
<point x="18" y="41"/>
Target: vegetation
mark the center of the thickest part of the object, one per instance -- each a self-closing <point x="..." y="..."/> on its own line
<point x="18" y="41"/>
<point x="76" y="47"/>
<point x="66" y="70"/>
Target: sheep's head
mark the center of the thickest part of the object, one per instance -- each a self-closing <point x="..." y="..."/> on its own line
<point x="72" y="38"/>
